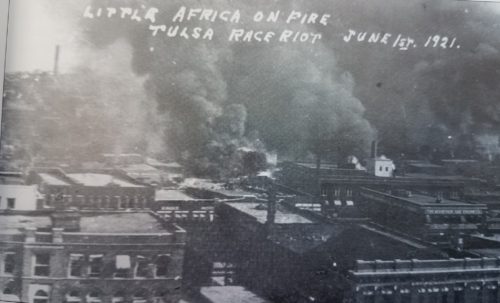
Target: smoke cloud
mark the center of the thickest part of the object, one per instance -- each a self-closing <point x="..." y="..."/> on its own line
<point x="225" y="98"/>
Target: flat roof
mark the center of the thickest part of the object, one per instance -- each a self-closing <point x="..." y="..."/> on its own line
<point x="172" y="195"/>
<point x="52" y="180"/>
<point x="259" y="212"/>
<point x="423" y="200"/>
<point x="313" y="165"/>
<point x="98" y="180"/>
<point x="230" y="294"/>
<point x="140" y="168"/>
<point x="124" y="222"/>
<point x="11" y="224"/>
<point x="217" y="187"/>
<point x="431" y="201"/>
<point x="133" y="222"/>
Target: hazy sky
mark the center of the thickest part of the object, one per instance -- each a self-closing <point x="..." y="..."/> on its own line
<point x="35" y="28"/>
<point x="408" y="95"/>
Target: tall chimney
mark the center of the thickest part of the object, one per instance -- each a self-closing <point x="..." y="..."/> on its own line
<point x="56" y="60"/>
<point x="374" y="149"/>
<point x="271" y="206"/>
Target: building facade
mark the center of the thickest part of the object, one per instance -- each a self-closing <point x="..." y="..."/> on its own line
<point x="90" y="257"/>
<point x="426" y="281"/>
<point x="18" y="197"/>
<point x="92" y="190"/>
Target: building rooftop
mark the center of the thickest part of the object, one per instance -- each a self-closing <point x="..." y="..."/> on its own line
<point x="125" y="222"/>
<point x="12" y="224"/>
<point x="230" y="294"/>
<point x="133" y="222"/>
<point x="52" y="180"/>
<point x="422" y="200"/>
<point x="259" y="212"/>
<point x="172" y="195"/>
<point x="219" y="188"/>
<point x="99" y="180"/>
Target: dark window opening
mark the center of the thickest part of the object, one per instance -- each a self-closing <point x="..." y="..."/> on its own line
<point x="9" y="263"/>
<point x="162" y="266"/>
<point x="42" y="265"/>
<point x="11" y="203"/>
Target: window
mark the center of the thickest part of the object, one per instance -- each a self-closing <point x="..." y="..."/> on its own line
<point x="140" y="296"/>
<point x="118" y="297"/>
<point x="122" y="266"/>
<point x="141" y="267"/>
<point x="73" y="297"/>
<point x="98" y="202"/>
<point x="107" y="202"/>
<point x="380" y="168"/>
<point x="387" y="168"/>
<point x="119" y="202"/>
<point x="11" y="203"/>
<point x="161" y="296"/>
<point x="9" y="263"/>
<point x="162" y="266"/>
<point x="41" y="265"/>
<point x="76" y="262"/>
<point x="182" y="214"/>
<point x="94" y="297"/>
<point x="41" y="296"/>
<point x="95" y="265"/>
<point x="9" y="288"/>
<point x="223" y="273"/>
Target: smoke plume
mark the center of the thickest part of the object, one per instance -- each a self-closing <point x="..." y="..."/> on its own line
<point x="223" y="99"/>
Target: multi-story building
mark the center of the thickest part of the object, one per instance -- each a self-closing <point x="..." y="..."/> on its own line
<point x="92" y="190"/>
<point x="297" y="258"/>
<point x="330" y="183"/>
<point x="433" y="281"/>
<point x="289" y="256"/>
<point x="432" y="219"/>
<point x="177" y="206"/>
<point x="106" y="257"/>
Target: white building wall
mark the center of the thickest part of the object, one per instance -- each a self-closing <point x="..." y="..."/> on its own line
<point x="25" y="196"/>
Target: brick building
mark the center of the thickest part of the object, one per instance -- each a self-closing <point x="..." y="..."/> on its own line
<point x="332" y="184"/>
<point x="92" y="190"/>
<point x="90" y="257"/>
<point x="290" y="256"/>
<point x="433" y="219"/>
<point x="432" y="281"/>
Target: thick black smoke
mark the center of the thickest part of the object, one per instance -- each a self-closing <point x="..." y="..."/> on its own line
<point x="224" y="99"/>
<point x="428" y="99"/>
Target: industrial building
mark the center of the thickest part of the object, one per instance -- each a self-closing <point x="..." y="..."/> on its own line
<point x="69" y="256"/>
<point x="433" y="219"/>
<point x="91" y="189"/>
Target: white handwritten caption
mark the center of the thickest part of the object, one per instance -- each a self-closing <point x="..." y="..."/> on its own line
<point x="178" y="28"/>
<point x="400" y="41"/>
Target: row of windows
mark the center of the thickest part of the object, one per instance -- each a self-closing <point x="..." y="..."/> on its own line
<point x="94" y="296"/>
<point x="93" y="266"/>
<point x="175" y="215"/>
<point x="120" y="202"/>
<point x="336" y="192"/>
<point x="143" y="267"/>
<point x="488" y="293"/>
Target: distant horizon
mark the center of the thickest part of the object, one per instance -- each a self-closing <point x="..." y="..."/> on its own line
<point x="34" y="32"/>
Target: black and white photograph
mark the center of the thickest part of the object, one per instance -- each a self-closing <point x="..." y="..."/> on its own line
<point x="260" y="151"/>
